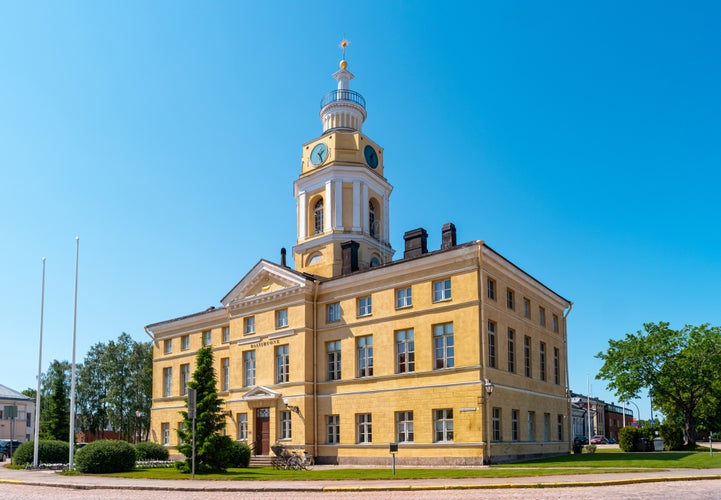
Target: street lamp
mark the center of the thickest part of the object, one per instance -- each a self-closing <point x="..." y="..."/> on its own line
<point x="488" y="386"/>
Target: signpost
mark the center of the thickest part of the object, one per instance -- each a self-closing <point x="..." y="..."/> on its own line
<point x="192" y="395"/>
<point x="393" y="448"/>
<point x="11" y="412"/>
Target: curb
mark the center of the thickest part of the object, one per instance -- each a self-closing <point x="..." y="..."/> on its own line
<point x="341" y="489"/>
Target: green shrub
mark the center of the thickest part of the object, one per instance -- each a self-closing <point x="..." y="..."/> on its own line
<point x="151" y="451"/>
<point x="672" y="436"/>
<point x="105" y="456"/>
<point x="49" y="452"/>
<point x="240" y="455"/>
<point x="627" y="437"/>
<point x="216" y="455"/>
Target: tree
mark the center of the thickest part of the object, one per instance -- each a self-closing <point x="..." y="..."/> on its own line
<point x="212" y="451"/>
<point x="91" y="392"/>
<point x="55" y="420"/>
<point x="678" y="367"/>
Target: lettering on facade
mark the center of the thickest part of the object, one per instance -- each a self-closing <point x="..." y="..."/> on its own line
<point x="265" y="343"/>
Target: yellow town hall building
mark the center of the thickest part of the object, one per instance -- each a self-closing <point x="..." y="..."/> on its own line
<point x="457" y="355"/>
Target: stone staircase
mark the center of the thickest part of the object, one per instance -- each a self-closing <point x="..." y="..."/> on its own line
<point x="260" y="460"/>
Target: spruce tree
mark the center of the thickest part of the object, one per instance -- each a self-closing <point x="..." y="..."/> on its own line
<point x="212" y="451"/>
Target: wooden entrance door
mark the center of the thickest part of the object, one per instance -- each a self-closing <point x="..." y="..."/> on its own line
<point x="262" y="431"/>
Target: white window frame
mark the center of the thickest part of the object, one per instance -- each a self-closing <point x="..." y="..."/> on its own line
<point x="281" y="318"/>
<point x="442" y="290"/>
<point x="364" y="428"/>
<point x="224" y="374"/>
<point x="286" y="427"/>
<point x="333" y="312"/>
<point x="184" y="378"/>
<point x="333" y="358"/>
<point x="167" y="346"/>
<point x="282" y="364"/>
<point x="207" y="338"/>
<point x="332" y="426"/>
<point x="365" y="305"/>
<point x="248" y="325"/>
<point x="185" y="342"/>
<point x="364" y="347"/>
<point x="167" y="381"/>
<point x="404" y="427"/>
<point x="405" y="351"/>
<point x="443" y="346"/>
<point x="242" y="426"/>
<point x="404" y="297"/>
<point x="443" y="425"/>
<point x="248" y="368"/>
<point x="226" y="334"/>
<point x="165" y="433"/>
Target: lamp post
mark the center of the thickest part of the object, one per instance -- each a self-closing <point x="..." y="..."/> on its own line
<point x="488" y="386"/>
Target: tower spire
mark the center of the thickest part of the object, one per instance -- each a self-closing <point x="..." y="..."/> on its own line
<point x="343" y="109"/>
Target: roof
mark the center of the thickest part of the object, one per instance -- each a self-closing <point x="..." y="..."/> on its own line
<point x="7" y="393"/>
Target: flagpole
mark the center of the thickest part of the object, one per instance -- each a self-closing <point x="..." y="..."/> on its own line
<point x="36" y="441"/>
<point x="72" y="366"/>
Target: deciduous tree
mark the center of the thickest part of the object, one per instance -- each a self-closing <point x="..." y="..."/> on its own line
<point x="679" y="368"/>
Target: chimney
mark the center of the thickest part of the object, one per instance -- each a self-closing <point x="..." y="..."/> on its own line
<point x="416" y="243"/>
<point x="349" y="257"/>
<point x="448" y="236"/>
<point x="282" y="257"/>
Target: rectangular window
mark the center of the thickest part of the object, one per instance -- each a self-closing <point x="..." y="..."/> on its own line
<point x="556" y="366"/>
<point x="206" y="338"/>
<point x="364" y="425"/>
<point x="332" y="428"/>
<point x="242" y="426"/>
<point x="531" y="425"/>
<point x="542" y="360"/>
<point x="441" y="290"/>
<point x="541" y="316"/>
<point x="282" y="364"/>
<point x="165" y="431"/>
<point x="365" y="356"/>
<point x="527" y="355"/>
<point x="559" y="427"/>
<point x="281" y="318"/>
<point x="443" y="425"/>
<point x="226" y="334"/>
<point x="554" y="320"/>
<point x="404" y="297"/>
<point x="333" y="355"/>
<point x="167" y="382"/>
<point x="510" y="299"/>
<point x="249" y="325"/>
<point x="405" y="351"/>
<point x="248" y="368"/>
<point x="168" y="346"/>
<point x="184" y="379"/>
<point x="225" y="374"/>
<point x="185" y="342"/>
<point x="404" y="426"/>
<point x="491" y="286"/>
<point x="514" y="425"/>
<point x="546" y="426"/>
<point x="443" y="345"/>
<point x="496" y="424"/>
<point x="491" y="344"/>
<point x="333" y="312"/>
<point x="365" y="306"/>
<point x="285" y="427"/>
<point x="526" y="308"/>
<point x="511" y="350"/>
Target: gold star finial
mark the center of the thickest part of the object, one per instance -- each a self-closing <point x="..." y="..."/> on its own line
<point x="343" y="44"/>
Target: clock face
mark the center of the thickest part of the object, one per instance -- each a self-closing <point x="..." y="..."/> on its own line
<point x="371" y="156"/>
<point x="319" y="153"/>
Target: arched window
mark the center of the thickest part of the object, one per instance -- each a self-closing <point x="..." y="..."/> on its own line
<point x="318" y="217"/>
<point x="372" y="225"/>
<point x="375" y="261"/>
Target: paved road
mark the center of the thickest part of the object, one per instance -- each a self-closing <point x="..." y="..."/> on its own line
<point x="688" y="490"/>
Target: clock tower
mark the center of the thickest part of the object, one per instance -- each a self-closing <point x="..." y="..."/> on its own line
<point x="341" y="194"/>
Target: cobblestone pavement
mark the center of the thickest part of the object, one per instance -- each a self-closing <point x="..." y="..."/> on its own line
<point x="688" y="490"/>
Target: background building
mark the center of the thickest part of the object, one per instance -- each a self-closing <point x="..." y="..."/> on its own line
<point x="457" y="354"/>
<point x="16" y="423"/>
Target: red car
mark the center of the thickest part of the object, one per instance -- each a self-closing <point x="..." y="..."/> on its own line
<point x="598" y="440"/>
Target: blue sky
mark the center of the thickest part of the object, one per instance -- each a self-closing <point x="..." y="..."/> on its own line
<point x="580" y="140"/>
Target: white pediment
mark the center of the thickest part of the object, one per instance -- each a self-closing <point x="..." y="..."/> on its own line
<point x="260" y="393"/>
<point x="266" y="278"/>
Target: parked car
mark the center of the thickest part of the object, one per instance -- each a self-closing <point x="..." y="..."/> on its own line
<point x="598" y="440"/>
<point x="580" y="440"/>
<point x="5" y="446"/>
<point x="612" y="441"/>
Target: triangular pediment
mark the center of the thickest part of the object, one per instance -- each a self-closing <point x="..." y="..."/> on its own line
<point x="260" y="393"/>
<point x="265" y="279"/>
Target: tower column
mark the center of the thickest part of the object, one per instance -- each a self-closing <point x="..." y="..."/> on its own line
<point x="356" y="206"/>
<point x="328" y="207"/>
<point x="302" y="216"/>
<point x="386" y="219"/>
<point x="338" y="223"/>
<point x="364" y="208"/>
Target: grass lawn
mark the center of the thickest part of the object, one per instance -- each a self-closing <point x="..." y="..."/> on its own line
<point x="603" y="461"/>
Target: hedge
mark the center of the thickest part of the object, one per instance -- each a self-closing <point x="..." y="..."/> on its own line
<point x="150" y="451"/>
<point x="49" y="452"/>
<point x="105" y="456"/>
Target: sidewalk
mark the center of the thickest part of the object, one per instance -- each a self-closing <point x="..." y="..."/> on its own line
<point x="49" y="478"/>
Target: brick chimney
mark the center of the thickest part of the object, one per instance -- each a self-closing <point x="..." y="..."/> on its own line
<point x="416" y="243"/>
<point x="448" y="236"/>
<point x="349" y="257"/>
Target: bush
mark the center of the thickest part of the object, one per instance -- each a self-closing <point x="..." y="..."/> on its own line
<point x="151" y="451"/>
<point x="672" y="436"/>
<point x="105" y="456"/>
<point x="240" y="455"/>
<point x="215" y="455"/>
<point x="49" y="452"/>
